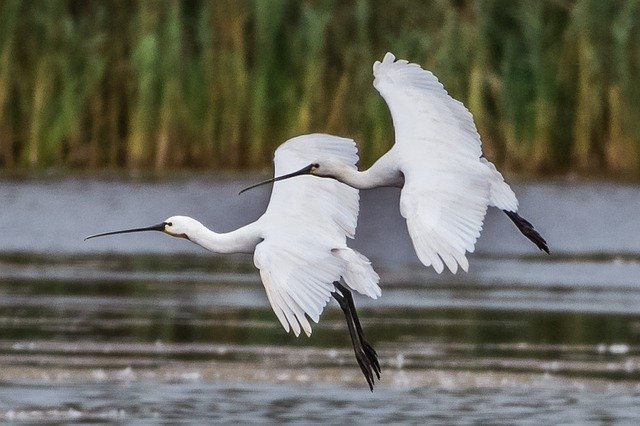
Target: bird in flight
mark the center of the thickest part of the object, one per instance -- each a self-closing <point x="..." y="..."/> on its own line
<point x="300" y="243"/>
<point x="447" y="185"/>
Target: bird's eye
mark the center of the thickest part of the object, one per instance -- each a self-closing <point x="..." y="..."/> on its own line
<point x="315" y="165"/>
<point x="169" y="224"/>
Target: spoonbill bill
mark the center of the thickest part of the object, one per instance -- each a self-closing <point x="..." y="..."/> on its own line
<point x="447" y="185"/>
<point x="299" y="243"/>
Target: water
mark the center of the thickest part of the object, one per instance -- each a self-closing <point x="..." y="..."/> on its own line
<point x="152" y="328"/>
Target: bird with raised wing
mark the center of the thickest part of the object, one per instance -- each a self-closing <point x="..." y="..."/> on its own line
<point x="299" y="243"/>
<point x="447" y="185"/>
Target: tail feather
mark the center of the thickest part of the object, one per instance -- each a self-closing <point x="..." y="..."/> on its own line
<point x="527" y="230"/>
<point x="359" y="274"/>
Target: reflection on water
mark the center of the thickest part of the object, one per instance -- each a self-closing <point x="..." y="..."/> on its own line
<point x="104" y="335"/>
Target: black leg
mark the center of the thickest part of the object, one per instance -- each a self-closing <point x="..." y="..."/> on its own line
<point x="361" y="357"/>
<point x="365" y="355"/>
<point x="371" y="353"/>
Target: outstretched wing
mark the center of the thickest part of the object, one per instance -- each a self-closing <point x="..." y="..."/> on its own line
<point x="422" y="110"/>
<point x="323" y="200"/>
<point x="444" y="214"/>
<point x="446" y="190"/>
<point x="305" y="229"/>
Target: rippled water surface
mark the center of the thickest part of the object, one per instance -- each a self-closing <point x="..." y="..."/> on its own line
<point x="153" y="328"/>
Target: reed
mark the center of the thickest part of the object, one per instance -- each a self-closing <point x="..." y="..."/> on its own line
<point x="161" y="85"/>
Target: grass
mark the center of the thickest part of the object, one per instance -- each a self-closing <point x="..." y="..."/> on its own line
<point x="162" y="85"/>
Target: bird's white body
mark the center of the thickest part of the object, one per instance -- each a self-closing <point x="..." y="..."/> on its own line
<point x="300" y="242"/>
<point x="437" y="161"/>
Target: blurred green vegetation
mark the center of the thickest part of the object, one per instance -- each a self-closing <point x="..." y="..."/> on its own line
<point x="94" y="84"/>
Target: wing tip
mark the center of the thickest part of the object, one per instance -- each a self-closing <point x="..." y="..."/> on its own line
<point x="389" y="58"/>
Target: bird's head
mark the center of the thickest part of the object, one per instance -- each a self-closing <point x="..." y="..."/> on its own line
<point x="328" y="168"/>
<point x="176" y="226"/>
<point x="181" y="226"/>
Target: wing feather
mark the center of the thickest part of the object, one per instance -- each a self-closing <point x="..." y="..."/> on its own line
<point x="420" y="105"/>
<point x="502" y="195"/>
<point x="305" y="228"/>
<point x="447" y="188"/>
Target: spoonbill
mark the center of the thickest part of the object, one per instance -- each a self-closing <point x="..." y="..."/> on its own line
<point x="299" y="243"/>
<point x="437" y="161"/>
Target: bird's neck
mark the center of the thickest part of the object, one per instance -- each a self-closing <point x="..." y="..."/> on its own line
<point x="373" y="177"/>
<point x="242" y="240"/>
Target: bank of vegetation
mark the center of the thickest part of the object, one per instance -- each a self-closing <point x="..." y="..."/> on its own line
<point x="152" y="84"/>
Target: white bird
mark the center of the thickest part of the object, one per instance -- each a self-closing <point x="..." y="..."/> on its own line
<point x="299" y="243"/>
<point x="437" y="161"/>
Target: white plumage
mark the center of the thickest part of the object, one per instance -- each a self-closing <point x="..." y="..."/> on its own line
<point x="305" y="228"/>
<point x="447" y="184"/>
<point x="446" y="188"/>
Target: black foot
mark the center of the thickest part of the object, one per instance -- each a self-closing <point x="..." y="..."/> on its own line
<point x="366" y="356"/>
<point x="527" y="230"/>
